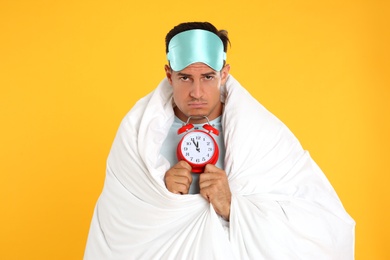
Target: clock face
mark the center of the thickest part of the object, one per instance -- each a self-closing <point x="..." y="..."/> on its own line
<point x="198" y="147"/>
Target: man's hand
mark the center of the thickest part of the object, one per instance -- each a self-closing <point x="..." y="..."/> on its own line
<point x="178" y="179"/>
<point x="214" y="187"/>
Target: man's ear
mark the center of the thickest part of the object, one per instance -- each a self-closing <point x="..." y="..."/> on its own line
<point x="168" y="72"/>
<point x="225" y="73"/>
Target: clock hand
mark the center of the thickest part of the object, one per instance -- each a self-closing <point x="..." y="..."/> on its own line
<point x="196" y="144"/>
<point x="197" y="147"/>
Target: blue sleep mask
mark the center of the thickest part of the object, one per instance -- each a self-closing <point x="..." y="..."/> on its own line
<point x="194" y="46"/>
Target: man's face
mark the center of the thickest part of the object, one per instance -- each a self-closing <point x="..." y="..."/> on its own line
<point x="196" y="91"/>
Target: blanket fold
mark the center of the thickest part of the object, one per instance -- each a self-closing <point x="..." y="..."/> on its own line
<point x="283" y="207"/>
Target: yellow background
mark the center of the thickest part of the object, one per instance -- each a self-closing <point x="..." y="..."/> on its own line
<point x="70" y="70"/>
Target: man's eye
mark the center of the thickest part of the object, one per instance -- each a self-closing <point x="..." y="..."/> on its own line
<point x="184" y="78"/>
<point x="209" y="77"/>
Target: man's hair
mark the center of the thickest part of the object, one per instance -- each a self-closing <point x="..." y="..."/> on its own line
<point x="222" y="34"/>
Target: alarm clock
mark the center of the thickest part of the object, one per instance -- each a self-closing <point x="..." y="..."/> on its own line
<point x="198" y="147"/>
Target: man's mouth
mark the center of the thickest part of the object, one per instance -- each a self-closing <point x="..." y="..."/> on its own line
<point x="197" y="104"/>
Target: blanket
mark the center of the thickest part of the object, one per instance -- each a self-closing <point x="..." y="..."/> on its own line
<point x="283" y="207"/>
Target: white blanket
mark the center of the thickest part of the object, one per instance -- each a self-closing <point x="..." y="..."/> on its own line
<point x="282" y="206"/>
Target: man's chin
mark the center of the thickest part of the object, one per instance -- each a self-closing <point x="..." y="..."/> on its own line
<point x="197" y="113"/>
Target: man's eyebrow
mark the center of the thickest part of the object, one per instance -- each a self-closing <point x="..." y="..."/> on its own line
<point x="183" y="74"/>
<point x="209" y="73"/>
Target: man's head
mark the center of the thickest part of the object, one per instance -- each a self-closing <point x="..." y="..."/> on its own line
<point x="196" y="53"/>
<point x="192" y="42"/>
<point x="222" y="34"/>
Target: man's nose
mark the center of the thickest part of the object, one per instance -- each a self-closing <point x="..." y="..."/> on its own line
<point x="196" y="91"/>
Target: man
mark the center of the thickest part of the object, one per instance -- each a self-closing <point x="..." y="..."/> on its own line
<point x="264" y="198"/>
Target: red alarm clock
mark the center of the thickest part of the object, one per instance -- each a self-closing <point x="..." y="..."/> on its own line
<point x="197" y="147"/>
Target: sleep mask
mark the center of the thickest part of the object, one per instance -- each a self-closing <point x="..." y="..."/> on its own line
<point x="193" y="46"/>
